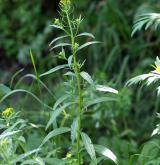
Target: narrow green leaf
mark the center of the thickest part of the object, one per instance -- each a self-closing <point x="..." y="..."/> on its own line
<point x="89" y="146"/>
<point x="106" y="152"/>
<point x="98" y="100"/>
<point x="103" y="88"/>
<point x="54" y="133"/>
<point x="59" y="101"/>
<point x="57" y="112"/>
<point x="70" y="58"/>
<point x="23" y="91"/>
<point x="86" y="34"/>
<point x="87" y="77"/>
<point x="35" y="69"/>
<point x="35" y="78"/>
<point x="34" y="65"/>
<point x="6" y="134"/>
<point x="14" y="76"/>
<point x="23" y="156"/>
<point x="57" y="27"/>
<point x="74" y="130"/>
<point x="11" y="128"/>
<point x="70" y="74"/>
<point x="87" y="44"/>
<point x="58" y="38"/>
<point x="54" y="70"/>
<point x="60" y="45"/>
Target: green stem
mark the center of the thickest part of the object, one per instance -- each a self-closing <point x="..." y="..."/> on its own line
<point x="78" y="79"/>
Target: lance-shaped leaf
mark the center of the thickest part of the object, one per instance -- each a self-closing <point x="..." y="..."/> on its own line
<point x="87" y="44"/>
<point x="86" y="34"/>
<point x="11" y="128"/>
<point x="59" y="101"/>
<point x="57" y="112"/>
<point x="158" y="91"/>
<point x="87" y="77"/>
<point x="35" y="78"/>
<point x="74" y="130"/>
<point x="60" y="45"/>
<point x="23" y="91"/>
<point x="70" y="58"/>
<point x="54" y="133"/>
<point x="89" y="146"/>
<point x="70" y="74"/>
<point x="106" y="152"/>
<point x="98" y="100"/>
<point x="54" y="70"/>
<point x="6" y="134"/>
<point x="58" y="38"/>
<point x="56" y="26"/>
<point x="14" y="76"/>
<point x="103" y="88"/>
<point x="23" y="156"/>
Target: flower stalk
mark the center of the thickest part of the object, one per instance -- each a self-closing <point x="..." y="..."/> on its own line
<point x="76" y="69"/>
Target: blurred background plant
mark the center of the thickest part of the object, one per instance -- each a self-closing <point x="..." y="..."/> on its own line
<point x="13" y="143"/>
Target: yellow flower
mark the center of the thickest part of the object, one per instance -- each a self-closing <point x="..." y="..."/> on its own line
<point x="158" y="69"/>
<point x="7" y="112"/>
<point x="69" y="155"/>
<point x="4" y="142"/>
<point x="56" y="21"/>
<point x="157" y="65"/>
<point x="65" y="3"/>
